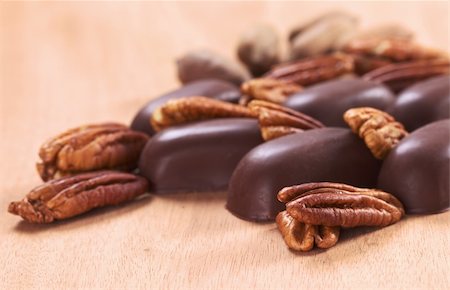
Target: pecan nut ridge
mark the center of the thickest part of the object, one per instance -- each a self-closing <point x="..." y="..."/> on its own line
<point x="266" y="89"/>
<point x="378" y="129"/>
<point x="276" y="121"/>
<point x="90" y="147"/>
<point x="70" y="196"/>
<point x="195" y="108"/>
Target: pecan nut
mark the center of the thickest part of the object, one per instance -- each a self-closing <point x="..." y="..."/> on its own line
<point x="299" y="236"/>
<point x="91" y="147"/>
<point x="335" y="204"/>
<point x="276" y="121"/>
<point x="380" y="131"/>
<point x="271" y="90"/>
<point x="70" y="196"/>
<point x="190" y="109"/>
<point x="313" y="70"/>
<point x="395" y="49"/>
<point x="398" y="76"/>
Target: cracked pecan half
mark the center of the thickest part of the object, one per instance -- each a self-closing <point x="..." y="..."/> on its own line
<point x="398" y="76"/>
<point x="397" y="50"/>
<point x="197" y="108"/>
<point x="266" y="89"/>
<point x="378" y="129"/>
<point x="335" y="204"/>
<point x="312" y="70"/>
<point x="299" y="236"/>
<point x="91" y="147"/>
<point x="70" y="196"/>
<point x="276" y="121"/>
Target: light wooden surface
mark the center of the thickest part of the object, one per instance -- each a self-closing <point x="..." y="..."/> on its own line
<point x="65" y="64"/>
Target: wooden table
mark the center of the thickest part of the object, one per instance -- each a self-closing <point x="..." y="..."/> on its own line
<point x="65" y="64"/>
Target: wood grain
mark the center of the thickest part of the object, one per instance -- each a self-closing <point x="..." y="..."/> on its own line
<point x="65" y="64"/>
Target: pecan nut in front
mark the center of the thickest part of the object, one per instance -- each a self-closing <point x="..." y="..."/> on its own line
<point x="314" y="69"/>
<point x="276" y="121"/>
<point x="266" y="89"/>
<point x="197" y="108"/>
<point x="63" y="198"/>
<point x="89" y="148"/>
<point x="336" y="204"/>
<point x="378" y="129"/>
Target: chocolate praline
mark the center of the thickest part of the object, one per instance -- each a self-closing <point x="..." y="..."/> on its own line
<point x="199" y="156"/>
<point x="423" y="103"/>
<point x="327" y="154"/>
<point x="328" y="101"/>
<point x="213" y="88"/>
<point x="417" y="171"/>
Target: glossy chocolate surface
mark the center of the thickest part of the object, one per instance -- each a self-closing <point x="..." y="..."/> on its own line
<point x="198" y="156"/>
<point x="213" y="88"/>
<point x="423" y="103"/>
<point x="417" y="172"/>
<point x="328" y="101"/>
<point x="327" y="154"/>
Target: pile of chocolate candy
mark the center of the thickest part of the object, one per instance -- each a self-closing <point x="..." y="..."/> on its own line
<point x="351" y="129"/>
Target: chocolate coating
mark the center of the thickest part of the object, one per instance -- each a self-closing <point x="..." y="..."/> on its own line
<point x="417" y="171"/>
<point x="423" y="103"/>
<point x="326" y="154"/>
<point x="198" y="156"/>
<point x="213" y="88"/>
<point x="328" y="101"/>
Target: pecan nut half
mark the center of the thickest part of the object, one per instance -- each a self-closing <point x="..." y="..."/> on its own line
<point x="335" y="204"/>
<point x="276" y="121"/>
<point x="91" y="147"/>
<point x="398" y="76"/>
<point x="314" y="69"/>
<point x="266" y="89"/>
<point x="197" y="108"/>
<point x="302" y="237"/>
<point x="70" y="196"/>
<point x="380" y="131"/>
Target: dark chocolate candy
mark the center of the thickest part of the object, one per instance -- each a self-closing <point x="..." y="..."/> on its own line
<point x="417" y="172"/>
<point x="423" y="103"/>
<point x="213" y="88"/>
<point x="327" y="154"/>
<point x="198" y="156"/>
<point x="328" y="101"/>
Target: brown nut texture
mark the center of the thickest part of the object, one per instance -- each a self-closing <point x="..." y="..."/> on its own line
<point x="302" y="237"/>
<point x="314" y="69"/>
<point x="259" y="49"/>
<point x="397" y="50"/>
<point x="197" y="108"/>
<point x="266" y="89"/>
<point x="335" y="204"/>
<point x="398" y="76"/>
<point x="205" y="64"/>
<point x="276" y="121"/>
<point x="70" y="196"/>
<point x="91" y="147"/>
<point x="378" y="129"/>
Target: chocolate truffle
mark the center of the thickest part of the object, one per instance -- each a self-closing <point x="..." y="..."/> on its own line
<point x="213" y="88"/>
<point x="328" y="101"/>
<point x="423" y="103"/>
<point x="326" y="154"/>
<point x="416" y="171"/>
<point x="198" y="156"/>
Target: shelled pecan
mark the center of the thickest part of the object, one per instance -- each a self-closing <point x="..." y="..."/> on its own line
<point x="70" y="196"/>
<point x="379" y="130"/>
<point x="401" y="75"/>
<point x="190" y="109"/>
<point x="313" y="70"/>
<point x="266" y="89"/>
<point x="91" y="147"/>
<point x="276" y="121"/>
<point x="335" y="204"/>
